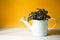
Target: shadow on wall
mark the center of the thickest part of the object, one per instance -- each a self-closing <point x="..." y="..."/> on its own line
<point x="54" y="32"/>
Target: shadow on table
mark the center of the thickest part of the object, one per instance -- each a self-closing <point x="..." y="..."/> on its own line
<point x="54" y="32"/>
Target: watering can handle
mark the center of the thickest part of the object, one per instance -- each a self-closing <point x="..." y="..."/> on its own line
<point x="54" y="21"/>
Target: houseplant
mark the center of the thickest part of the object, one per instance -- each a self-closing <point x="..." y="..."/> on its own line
<point x="39" y="22"/>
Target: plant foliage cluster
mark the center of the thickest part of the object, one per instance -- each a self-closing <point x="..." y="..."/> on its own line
<point x="41" y="14"/>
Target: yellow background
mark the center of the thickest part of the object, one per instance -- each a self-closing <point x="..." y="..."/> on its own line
<point x="13" y="10"/>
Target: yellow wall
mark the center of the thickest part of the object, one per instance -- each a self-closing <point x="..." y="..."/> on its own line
<point x="13" y="10"/>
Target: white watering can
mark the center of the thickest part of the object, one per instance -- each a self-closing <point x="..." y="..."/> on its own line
<point x="39" y="27"/>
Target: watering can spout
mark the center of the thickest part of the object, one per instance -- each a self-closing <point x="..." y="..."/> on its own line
<point x="27" y="24"/>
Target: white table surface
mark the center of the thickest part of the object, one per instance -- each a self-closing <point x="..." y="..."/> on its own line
<point x="24" y="34"/>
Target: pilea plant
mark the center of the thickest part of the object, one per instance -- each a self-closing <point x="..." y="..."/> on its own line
<point x="41" y="14"/>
